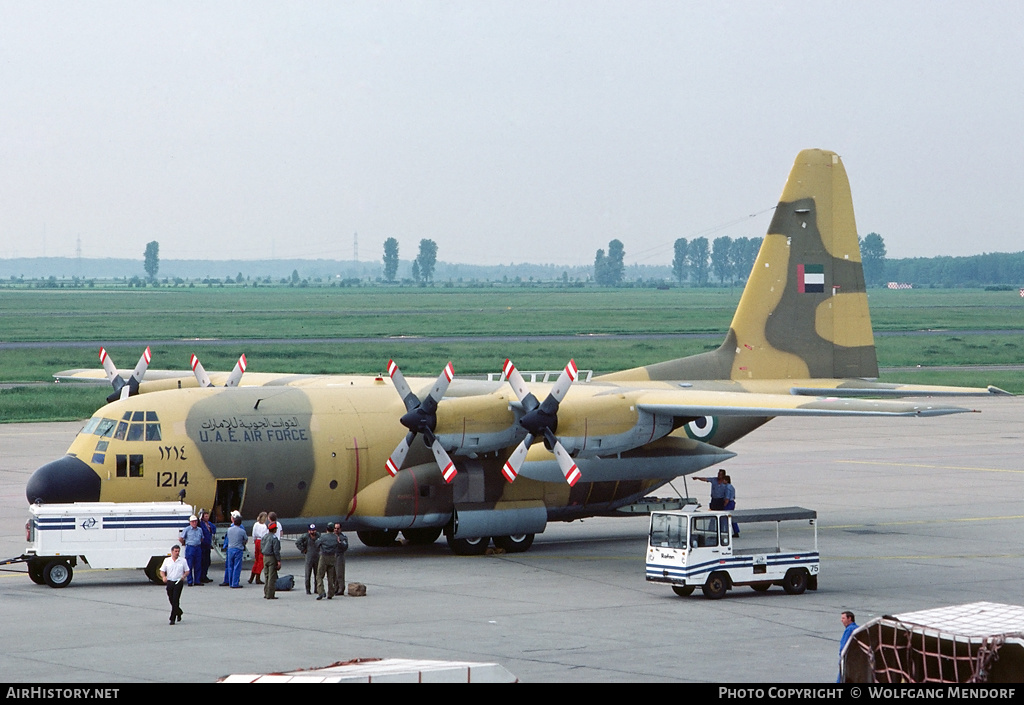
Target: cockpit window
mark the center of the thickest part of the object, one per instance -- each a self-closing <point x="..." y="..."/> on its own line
<point x="133" y="426"/>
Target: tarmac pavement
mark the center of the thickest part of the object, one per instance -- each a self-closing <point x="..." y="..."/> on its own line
<point x="913" y="514"/>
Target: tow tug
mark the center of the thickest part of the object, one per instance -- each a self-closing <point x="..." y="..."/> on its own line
<point x="687" y="549"/>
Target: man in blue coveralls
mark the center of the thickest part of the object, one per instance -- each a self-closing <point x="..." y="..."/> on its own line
<point x="192" y="540"/>
<point x="718" y="490"/>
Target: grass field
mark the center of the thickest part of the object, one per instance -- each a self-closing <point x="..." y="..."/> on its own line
<point x="988" y="330"/>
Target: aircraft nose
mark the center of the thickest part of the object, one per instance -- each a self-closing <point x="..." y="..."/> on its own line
<point x="63" y="481"/>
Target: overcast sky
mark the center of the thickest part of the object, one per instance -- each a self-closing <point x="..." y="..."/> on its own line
<point x="505" y="131"/>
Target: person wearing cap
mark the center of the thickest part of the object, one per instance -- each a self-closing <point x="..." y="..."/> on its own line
<point x="173" y="572"/>
<point x="209" y="530"/>
<point x="271" y="548"/>
<point x="307" y="546"/>
<point x="192" y="539"/>
<point x="235" y="541"/>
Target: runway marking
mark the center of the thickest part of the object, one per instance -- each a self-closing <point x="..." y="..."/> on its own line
<point x="926" y="467"/>
<point x="923" y="521"/>
<point x="937" y="557"/>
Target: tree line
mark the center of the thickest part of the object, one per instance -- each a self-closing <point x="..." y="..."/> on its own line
<point x="697" y="260"/>
<point x="702" y="262"/>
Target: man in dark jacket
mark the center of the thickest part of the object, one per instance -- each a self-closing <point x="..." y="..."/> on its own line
<point x="307" y="547"/>
<point x="328" y="545"/>
<point x="270" y="547"/>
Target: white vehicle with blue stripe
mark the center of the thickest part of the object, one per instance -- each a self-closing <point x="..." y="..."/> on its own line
<point x="689" y="549"/>
<point x="104" y="535"/>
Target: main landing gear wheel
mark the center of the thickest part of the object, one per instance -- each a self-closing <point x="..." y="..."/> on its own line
<point x="422" y="537"/>
<point x="514" y="544"/>
<point x="469" y="547"/>
<point x="683" y="590"/>
<point x="795" y="581"/>
<point x="385" y="538"/>
<point x="57" y="574"/>
<point x="716" y="586"/>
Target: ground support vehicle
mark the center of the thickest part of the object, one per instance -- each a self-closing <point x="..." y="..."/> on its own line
<point x="980" y="642"/>
<point x="690" y="549"/>
<point x="102" y="534"/>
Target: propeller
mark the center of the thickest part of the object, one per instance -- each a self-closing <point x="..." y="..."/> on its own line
<point x="541" y="420"/>
<point x="421" y="417"/>
<point x="124" y="388"/>
<point x="204" y="379"/>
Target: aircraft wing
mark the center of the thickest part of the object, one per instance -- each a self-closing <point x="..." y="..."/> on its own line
<point x="863" y="388"/>
<point x="694" y="404"/>
<point x="98" y="376"/>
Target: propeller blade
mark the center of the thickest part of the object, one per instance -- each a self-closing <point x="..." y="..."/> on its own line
<point x="448" y="471"/>
<point x="565" y="462"/>
<point x="200" y="373"/>
<point x="411" y="402"/>
<point x="565" y="380"/>
<point x="515" y="461"/>
<point x="394" y="463"/>
<point x="108" y="365"/>
<point x="236" y="374"/>
<point x="516" y="381"/>
<point x="443" y="380"/>
<point x="140" y="369"/>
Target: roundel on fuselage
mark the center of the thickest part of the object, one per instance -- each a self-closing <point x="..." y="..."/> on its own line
<point x="702" y="428"/>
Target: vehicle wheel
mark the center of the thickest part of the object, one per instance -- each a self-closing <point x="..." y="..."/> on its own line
<point x="683" y="590"/>
<point x="716" y="586"/>
<point x="57" y="574"/>
<point x="385" y="538"/>
<point x="795" y="581"/>
<point x="761" y="587"/>
<point x="469" y="547"/>
<point x="35" y="572"/>
<point x="152" y="570"/>
<point x="514" y="544"/>
<point x="422" y="537"/>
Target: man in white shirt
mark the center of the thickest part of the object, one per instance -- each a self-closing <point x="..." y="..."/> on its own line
<point x="173" y="572"/>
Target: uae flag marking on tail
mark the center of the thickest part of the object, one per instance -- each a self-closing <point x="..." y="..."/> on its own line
<point x="810" y="278"/>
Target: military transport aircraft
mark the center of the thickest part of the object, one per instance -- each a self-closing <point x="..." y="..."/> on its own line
<point x="488" y="460"/>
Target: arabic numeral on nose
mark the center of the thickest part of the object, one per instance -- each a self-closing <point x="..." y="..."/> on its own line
<point x="171" y="479"/>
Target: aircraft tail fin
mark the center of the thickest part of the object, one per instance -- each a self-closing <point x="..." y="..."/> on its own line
<point x="804" y="311"/>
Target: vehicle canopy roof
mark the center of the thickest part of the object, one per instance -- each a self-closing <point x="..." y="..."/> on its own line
<point x="753" y="516"/>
